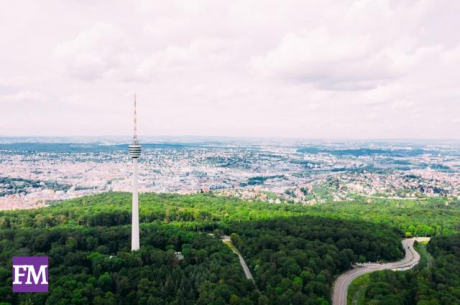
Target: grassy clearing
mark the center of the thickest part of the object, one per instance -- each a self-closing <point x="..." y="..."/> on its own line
<point x="357" y="289"/>
<point x="425" y="257"/>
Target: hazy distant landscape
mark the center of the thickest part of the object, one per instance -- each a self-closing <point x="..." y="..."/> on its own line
<point x="40" y="171"/>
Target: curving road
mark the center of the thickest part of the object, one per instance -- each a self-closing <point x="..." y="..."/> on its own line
<point x="340" y="289"/>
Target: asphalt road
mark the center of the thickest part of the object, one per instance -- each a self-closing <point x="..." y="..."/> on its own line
<point x="340" y="289"/>
<point x="247" y="272"/>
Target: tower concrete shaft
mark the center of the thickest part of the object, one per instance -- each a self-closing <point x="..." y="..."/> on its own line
<point x="135" y="244"/>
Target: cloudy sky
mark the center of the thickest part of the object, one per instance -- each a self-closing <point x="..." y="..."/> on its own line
<point x="290" y="68"/>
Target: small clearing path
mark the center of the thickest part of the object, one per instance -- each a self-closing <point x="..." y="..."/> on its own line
<point x="226" y="239"/>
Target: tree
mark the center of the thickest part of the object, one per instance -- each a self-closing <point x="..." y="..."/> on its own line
<point x="236" y="240"/>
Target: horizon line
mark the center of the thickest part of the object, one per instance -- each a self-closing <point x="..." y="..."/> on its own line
<point x="233" y="137"/>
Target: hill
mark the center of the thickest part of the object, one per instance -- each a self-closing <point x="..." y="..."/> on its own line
<point x="294" y="256"/>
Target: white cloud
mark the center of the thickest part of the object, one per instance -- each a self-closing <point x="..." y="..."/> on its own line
<point x="402" y="104"/>
<point x="24" y="96"/>
<point x="203" y="55"/>
<point x="326" y="60"/>
<point x="338" y="61"/>
<point x="95" y="52"/>
<point x="314" y="68"/>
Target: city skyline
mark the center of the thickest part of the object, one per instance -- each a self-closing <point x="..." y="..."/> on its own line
<point x="318" y="69"/>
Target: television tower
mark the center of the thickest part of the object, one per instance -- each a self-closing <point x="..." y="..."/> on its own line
<point x="134" y="153"/>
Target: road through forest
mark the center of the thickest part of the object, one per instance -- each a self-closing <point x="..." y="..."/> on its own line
<point x="247" y="272"/>
<point x="340" y="289"/>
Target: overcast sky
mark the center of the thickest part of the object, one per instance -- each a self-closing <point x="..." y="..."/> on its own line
<point x="287" y="68"/>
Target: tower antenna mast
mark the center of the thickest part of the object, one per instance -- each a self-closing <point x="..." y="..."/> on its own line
<point x="135" y="117"/>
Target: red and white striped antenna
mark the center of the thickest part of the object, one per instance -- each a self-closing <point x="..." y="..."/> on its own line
<point x="135" y="117"/>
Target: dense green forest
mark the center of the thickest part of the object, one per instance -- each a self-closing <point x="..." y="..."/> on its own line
<point x="296" y="259"/>
<point x="294" y="252"/>
<point x="207" y="212"/>
<point x="87" y="241"/>
<point x="429" y="217"/>
<point x="436" y="284"/>
<point x="95" y="265"/>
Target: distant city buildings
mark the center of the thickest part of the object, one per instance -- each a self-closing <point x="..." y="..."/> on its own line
<point x="270" y="173"/>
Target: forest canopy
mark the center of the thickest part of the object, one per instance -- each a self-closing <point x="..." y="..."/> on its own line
<point x="294" y="252"/>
